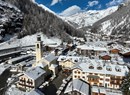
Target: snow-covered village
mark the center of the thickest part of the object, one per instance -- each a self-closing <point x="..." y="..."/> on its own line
<point x="73" y="51"/>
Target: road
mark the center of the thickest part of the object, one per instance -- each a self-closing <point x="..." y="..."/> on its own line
<point x="54" y="85"/>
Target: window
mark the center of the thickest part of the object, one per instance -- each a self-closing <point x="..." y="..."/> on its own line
<point x="79" y="77"/>
<point x="96" y="74"/>
<point x="75" y="76"/>
<point x="118" y="69"/>
<point x="83" y="72"/>
<point x="83" y="77"/>
<point x="91" y="67"/>
<point x="99" y="68"/>
<point x="37" y="45"/>
<point x="75" y="72"/>
<point x="108" y="68"/>
<point x="75" y="60"/>
<point x="100" y="84"/>
<point x="107" y="79"/>
<point x="101" y="78"/>
<point x="78" y="72"/>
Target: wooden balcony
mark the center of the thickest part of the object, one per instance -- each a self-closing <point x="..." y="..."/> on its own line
<point x="26" y="85"/>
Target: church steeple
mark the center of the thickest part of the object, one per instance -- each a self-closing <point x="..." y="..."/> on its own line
<point x="39" y="51"/>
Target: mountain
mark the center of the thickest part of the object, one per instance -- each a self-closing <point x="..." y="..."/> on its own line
<point x="37" y="18"/>
<point x="116" y="24"/>
<point x="88" y="18"/>
<point x="11" y="20"/>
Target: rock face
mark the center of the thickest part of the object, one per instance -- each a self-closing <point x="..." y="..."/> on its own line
<point x="116" y="24"/>
<point x="37" y="19"/>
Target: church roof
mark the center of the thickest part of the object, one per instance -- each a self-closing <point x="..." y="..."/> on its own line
<point x="50" y="57"/>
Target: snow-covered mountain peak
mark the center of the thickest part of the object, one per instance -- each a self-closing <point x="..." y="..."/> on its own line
<point x="88" y="18"/>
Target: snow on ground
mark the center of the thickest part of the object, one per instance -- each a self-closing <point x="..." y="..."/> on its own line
<point x="29" y="40"/>
<point x="106" y="26"/>
<point x="9" y="5"/>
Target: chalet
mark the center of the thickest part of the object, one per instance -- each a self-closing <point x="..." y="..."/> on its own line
<point x="92" y="48"/>
<point x="114" y="51"/>
<point x="67" y="62"/>
<point x="104" y="56"/>
<point x="31" y="79"/>
<point x="125" y="52"/>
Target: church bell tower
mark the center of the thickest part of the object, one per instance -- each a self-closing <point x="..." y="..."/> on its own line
<point x="39" y="51"/>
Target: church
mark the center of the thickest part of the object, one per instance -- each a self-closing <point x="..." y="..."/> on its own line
<point x="49" y="62"/>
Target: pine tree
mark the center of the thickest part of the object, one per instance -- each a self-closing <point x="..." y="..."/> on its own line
<point x="125" y="87"/>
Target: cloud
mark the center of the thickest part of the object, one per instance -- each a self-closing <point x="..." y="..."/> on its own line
<point x="71" y="10"/>
<point x="92" y="3"/>
<point x="114" y="2"/>
<point x="99" y="6"/>
<point x="55" y="2"/>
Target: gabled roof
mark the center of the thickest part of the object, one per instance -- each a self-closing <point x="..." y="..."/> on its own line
<point x="50" y="57"/>
<point x="79" y="86"/>
<point x="34" y="72"/>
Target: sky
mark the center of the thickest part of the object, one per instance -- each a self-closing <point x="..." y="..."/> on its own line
<point x="63" y="7"/>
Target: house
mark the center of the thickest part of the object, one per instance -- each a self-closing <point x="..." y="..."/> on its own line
<point x="125" y="52"/>
<point x="32" y="78"/>
<point x="67" y="62"/>
<point x="100" y="73"/>
<point x="92" y="48"/>
<point x="114" y="51"/>
<point x="104" y="56"/>
<point x="77" y="87"/>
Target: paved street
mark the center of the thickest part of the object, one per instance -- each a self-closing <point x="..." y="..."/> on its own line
<point x="53" y="87"/>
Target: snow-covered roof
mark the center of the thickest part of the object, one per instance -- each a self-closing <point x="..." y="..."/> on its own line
<point x="106" y="91"/>
<point x="98" y="89"/>
<point x="79" y="86"/>
<point x="19" y="58"/>
<point x="42" y="64"/>
<point x="34" y="72"/>
<point x="35" y="92"/>
<point x="50" y="57"/>
<point x="74" y="59"/>
<point x="97" y="46"/>
<point x="117" y="70"/>
<point x="125" y="50"/>
<point x="15" y="91"/>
